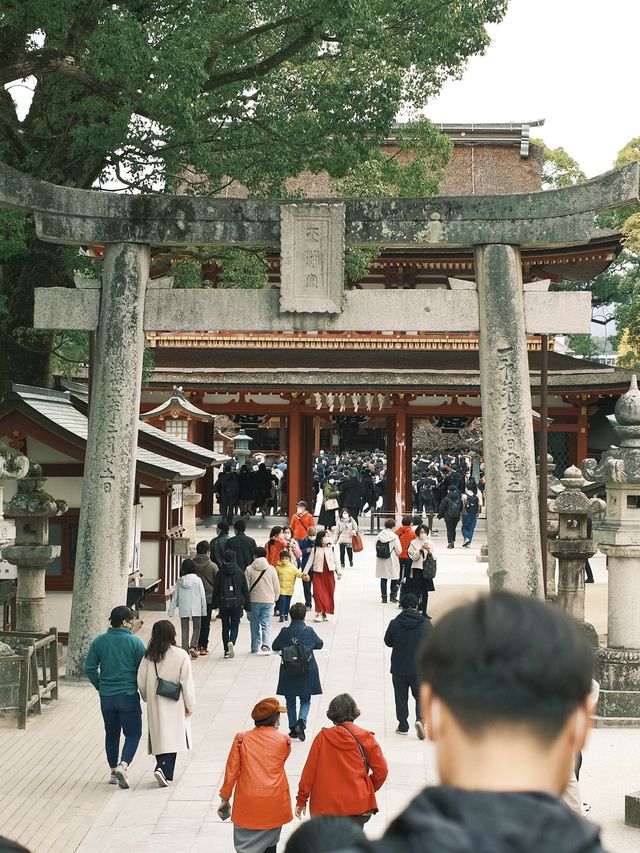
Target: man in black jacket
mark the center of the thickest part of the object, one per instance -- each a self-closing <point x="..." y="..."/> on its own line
<point x="404" y="635"/>
<point x="243" y="546"/>
<point x="218" y="544"/>
<point x="505" y="685"/>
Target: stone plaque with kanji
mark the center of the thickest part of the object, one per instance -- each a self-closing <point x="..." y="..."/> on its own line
<point x="312" y="258"/>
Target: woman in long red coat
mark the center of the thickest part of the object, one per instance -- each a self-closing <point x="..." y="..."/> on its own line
<point x="325" y="571"/>
<point x="344" y="769"/>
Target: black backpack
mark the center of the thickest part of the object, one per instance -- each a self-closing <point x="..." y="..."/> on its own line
<point x="231" y="593"/>
<point x="383" y="550"/>
<point x="296" y="658"/>
<point x="472" y="506"/>
<point x="454" y="507"/>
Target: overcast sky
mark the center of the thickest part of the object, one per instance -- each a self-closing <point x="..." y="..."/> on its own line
<point x="572" y="62"/>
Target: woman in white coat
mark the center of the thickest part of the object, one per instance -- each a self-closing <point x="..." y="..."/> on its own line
<point x="388" y="550"/>
<point x="168" y="720"/>
<point x="418" y="550"/>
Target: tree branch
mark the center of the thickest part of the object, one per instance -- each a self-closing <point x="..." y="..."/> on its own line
<point x="259" y="69"/>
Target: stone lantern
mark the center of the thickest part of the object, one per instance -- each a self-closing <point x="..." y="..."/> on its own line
<point x="619" y="538"/>
<point x="12" y="467"/>
<point x="241" y="449"/>
<point x="31" y="508"/>
<point x="573" y="547"/>
<point x="554" y="487"/>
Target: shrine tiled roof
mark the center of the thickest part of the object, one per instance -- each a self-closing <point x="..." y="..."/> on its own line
<point x="54" y="411"/>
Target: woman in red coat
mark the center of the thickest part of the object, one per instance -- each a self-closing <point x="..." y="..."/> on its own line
<point x="344" y="769"/>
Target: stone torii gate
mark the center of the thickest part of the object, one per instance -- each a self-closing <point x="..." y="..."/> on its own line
<point x="312" y="237"/>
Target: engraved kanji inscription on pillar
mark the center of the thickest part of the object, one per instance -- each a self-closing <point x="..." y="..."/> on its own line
<point x="312" y="258"/>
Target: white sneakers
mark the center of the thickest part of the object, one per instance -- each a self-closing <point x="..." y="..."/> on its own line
<point x="230" y="650"/>
<point x="419" y="730"/>
<point x="161" y="778"/>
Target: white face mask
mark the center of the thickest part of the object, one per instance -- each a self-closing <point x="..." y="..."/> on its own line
<point x="287" y="534"/>
<point x="345" y="517"/>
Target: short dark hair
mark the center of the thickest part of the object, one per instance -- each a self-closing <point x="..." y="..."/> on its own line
<point x="343" y="709"/>
<point x="270" y="721"/>
<point x="259" y="552"/>
<point x="223" y="526"/>
<point x="187" y="567"/>
<point x="409" y="601"/>
<point x="324" y="834"/>
<point x="506" y="658"/>
<point x="284" y="555"/>
<point x="229" y="556"/>
<point x="390" y="523"/>
<point x="203" y="547"/>
<point x="407" y="519"/>
<point x="298" y="611"/>
<point x="240" y="525"/>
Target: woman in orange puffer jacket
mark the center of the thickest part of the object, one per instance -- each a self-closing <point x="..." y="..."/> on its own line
<point x="255" y="769"/>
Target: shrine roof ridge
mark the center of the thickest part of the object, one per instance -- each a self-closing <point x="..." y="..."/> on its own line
<point x="554" y="217"/>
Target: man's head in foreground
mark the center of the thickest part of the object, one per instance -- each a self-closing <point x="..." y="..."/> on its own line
<point x="504" y="693"/>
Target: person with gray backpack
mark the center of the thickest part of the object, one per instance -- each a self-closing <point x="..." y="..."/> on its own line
<point x="299" y="676"/>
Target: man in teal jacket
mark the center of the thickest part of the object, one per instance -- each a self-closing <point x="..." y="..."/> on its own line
<point x="112" y="667"/>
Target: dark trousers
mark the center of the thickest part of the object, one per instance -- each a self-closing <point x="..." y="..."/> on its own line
<point x="383" y="586"/>
<point x="205" y="626"/>
<point x="122" y="715"/>
<point x="230" y="617"/>
<point x="226" y="509"/>
<point x="451" y="523"/>
<point x="166" y="762"/>
<point x="306" y="586"/>
<point x="405" y="568"/>
<point x="401" y="686"/>
<point x="348" y="550"/>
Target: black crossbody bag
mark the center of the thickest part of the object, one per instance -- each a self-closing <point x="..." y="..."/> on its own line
<point x="168" y="689"/>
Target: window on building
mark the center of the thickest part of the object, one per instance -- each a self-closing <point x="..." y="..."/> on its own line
<point x="179" y="427"/>
<point x="63" y="531"/>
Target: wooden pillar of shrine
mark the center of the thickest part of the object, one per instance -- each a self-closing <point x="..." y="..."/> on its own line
<point x="400" y="461"/>
<point x="294" y="455"/>
<point x="582" y="437"/>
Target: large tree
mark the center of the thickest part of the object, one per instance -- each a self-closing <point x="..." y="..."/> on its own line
<point x="147" y="92"/>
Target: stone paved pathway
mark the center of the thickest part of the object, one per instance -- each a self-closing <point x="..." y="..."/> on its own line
<point x="53" y="790"/>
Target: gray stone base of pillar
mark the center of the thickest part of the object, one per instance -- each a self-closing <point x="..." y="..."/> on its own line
<point x="619" y="676"/>
<point x="632" y="809"/>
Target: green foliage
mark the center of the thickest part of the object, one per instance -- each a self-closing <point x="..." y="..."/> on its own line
<point x="583" y="345"/>
<point x="196" y="96"/>
<point x="414" y="167"/>
<point x="187" y="274"/>
<point x="559" y="169"/>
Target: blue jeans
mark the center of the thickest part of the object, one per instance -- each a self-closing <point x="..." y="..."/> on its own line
<point x="260" y="622"/>
<point x="121" y="714"/>
<point x="468" y="526"/>
<point x="283" y="604"/>
<point x="294" y="716"/>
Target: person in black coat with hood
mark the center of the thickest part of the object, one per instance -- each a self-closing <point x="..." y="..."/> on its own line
<point x="231" y="597"/>
<point x="404" y="635"/>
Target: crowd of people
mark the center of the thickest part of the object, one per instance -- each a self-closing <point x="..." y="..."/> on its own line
<point x="502" y="687"/>
<point x="504" y="676"/>
<point x="358" y="482"/>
